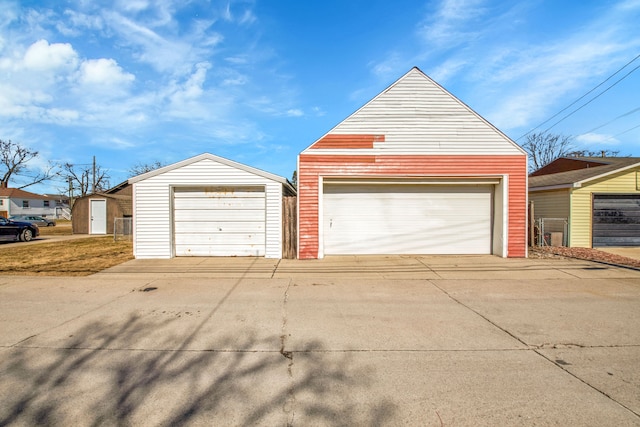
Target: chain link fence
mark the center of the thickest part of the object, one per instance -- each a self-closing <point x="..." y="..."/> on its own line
<point x="122" y="229"/>
<point x="551" y="231"/>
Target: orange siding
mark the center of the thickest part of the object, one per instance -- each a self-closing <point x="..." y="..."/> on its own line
<point x="312" y="167"/>
<point x="347" y="141"/>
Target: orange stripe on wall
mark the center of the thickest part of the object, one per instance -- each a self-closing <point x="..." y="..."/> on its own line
<point x="347" y="141"/>
<point x="312" y="167"/>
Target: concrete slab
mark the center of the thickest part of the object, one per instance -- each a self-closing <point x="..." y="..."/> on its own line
<point x="96" y="386"/>
<point x="372" y="314"/>
<point x="195" y="267"/>
<point x="613" y="370"/>
<point x="519" y="342"/>
<point x="443" y="388"/>
<point x="630" y="252"/>
<point x="181" y="314"/>
<point x="585" y="312"/>
<point x="31" y="305"/>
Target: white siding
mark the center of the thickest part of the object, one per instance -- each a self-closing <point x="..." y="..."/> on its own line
<point x="417" y="116"/>
<point x="153" y="234"/>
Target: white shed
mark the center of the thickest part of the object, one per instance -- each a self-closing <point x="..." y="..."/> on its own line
<point x="208" y="206"/>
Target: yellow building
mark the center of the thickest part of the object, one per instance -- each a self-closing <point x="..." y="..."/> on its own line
<point x="599" y="198"/>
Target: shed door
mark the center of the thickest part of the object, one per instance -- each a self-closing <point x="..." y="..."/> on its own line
<point x="616" y="220"/>
<point x="219" y="221"/>
<point x="407" y="219"/>
<point x="98" y="216"/>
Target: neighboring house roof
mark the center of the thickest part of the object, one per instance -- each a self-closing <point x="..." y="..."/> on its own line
<point x="117" y="188"/>
<point x="16" y="193"/>
<point x="208" y="156"/>
<point x="577" y="177"/>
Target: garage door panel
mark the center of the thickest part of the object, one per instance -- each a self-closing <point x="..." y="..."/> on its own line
<point x="616" y="220"/>
<point x="212" y="216"/>
<point x="219" y="221"/>
<point x="222" y="250"/>
<point x="220" y="239"/>
<point x="407" y="219"/>
<point x="220" y="226"/>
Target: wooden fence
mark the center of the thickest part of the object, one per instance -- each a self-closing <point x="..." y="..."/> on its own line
<point x="289" y="227"/>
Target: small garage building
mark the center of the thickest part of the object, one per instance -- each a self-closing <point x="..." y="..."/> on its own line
<point x="414" y="171"/>
<point x="96" y="213"/>
<point x="208" y="206"/>
<point x="599" y="197"/>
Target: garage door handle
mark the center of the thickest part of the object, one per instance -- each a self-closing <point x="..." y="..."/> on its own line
<point x="330" y="223"/>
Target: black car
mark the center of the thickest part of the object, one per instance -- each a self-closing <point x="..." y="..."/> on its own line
<point x="17" y="230"/>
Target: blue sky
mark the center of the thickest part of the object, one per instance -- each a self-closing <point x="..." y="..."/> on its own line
<point x="256" y="81"/>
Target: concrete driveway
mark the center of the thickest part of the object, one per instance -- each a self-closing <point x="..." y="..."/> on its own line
<point x="341" y="341"/>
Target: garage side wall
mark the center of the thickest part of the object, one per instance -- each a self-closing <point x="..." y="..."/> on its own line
<point x="153" y="231"/>
<point x="313" y="167"/>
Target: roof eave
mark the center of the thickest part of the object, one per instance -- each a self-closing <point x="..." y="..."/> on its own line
<point x="603" y="175"/>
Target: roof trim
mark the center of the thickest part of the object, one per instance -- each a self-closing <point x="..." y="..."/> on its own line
<point x="437" y="85"/>
<point x="212" y="157"/>
<point x="602" y="175"/>
<point x="552" y="187"/>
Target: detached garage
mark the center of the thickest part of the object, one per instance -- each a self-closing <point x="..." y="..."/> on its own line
<point x="599" y="197"/>
<point x="414" y="171"/>
<point x="208" y="206"/>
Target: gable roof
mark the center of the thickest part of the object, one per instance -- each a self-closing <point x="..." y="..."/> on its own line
<point x="208" y="156"/>
<point x="16" y="193"/>
<point x="415" y="115"/>
<point x="576" y="178"/>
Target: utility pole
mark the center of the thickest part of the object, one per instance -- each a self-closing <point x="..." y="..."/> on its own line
<point x="93" y="187"/>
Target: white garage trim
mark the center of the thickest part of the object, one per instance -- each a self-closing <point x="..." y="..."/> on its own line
<point x="412" y="216"/>
<point x="219" y="221"/>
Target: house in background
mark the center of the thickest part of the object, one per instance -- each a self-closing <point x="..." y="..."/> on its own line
<point x="414" y="171"/>
<point x="208" y="206"/>
<point x="14" y="201"/>
<point x="96" y="213"/>
<point x="598" y="196"/>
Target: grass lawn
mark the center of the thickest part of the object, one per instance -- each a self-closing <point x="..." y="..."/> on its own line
<point x="78" y="257"/>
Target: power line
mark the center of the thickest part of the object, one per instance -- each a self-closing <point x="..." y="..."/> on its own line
<point x="613" y="120"/>
<point x="591" y="100"/>
<point x="583" y="96"/>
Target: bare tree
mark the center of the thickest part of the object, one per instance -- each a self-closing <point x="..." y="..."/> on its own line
<point x="82" y="178"/>
<point x="140" y="168"/>
<point x="543" y="148"/>
<point x="13" y="162"/>
<point x="597" y="153"/>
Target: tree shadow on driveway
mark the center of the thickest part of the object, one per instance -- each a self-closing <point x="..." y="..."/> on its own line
<point x="101" y="376"/>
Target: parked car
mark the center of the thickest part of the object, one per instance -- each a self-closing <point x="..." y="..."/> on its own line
<point x="33" y="219"/>
<point x="17" y="230"/>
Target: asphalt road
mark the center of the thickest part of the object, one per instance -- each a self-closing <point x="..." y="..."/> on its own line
<point x="341" y="341"/>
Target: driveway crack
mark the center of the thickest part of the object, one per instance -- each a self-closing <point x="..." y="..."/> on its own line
<point x="289" y="407"/>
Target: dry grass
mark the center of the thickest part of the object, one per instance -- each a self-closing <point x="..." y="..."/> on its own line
<point x="62" y="228"/>
<point x="78" y="257"/>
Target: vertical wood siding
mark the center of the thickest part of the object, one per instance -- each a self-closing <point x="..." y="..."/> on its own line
<point x="313" y="167"/>
<point x="581" y="203"/>
<point x="153" y="209"/>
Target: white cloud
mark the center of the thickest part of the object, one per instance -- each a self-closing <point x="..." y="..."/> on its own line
<point x="448" y="26"/>
<point x="44" y="56"/>
<point x="104" y="72"/>
<point x="596" y="138"/>
<point x="295" y="112"/>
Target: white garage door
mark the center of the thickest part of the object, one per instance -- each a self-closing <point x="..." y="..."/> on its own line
<point x="407" y="219"/>
<point x="219" y="221"/>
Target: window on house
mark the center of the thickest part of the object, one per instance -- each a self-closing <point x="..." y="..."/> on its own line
<point x="1" y="202"/>
<point x="46" y="203"/>
<point x="25" y="203"/>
